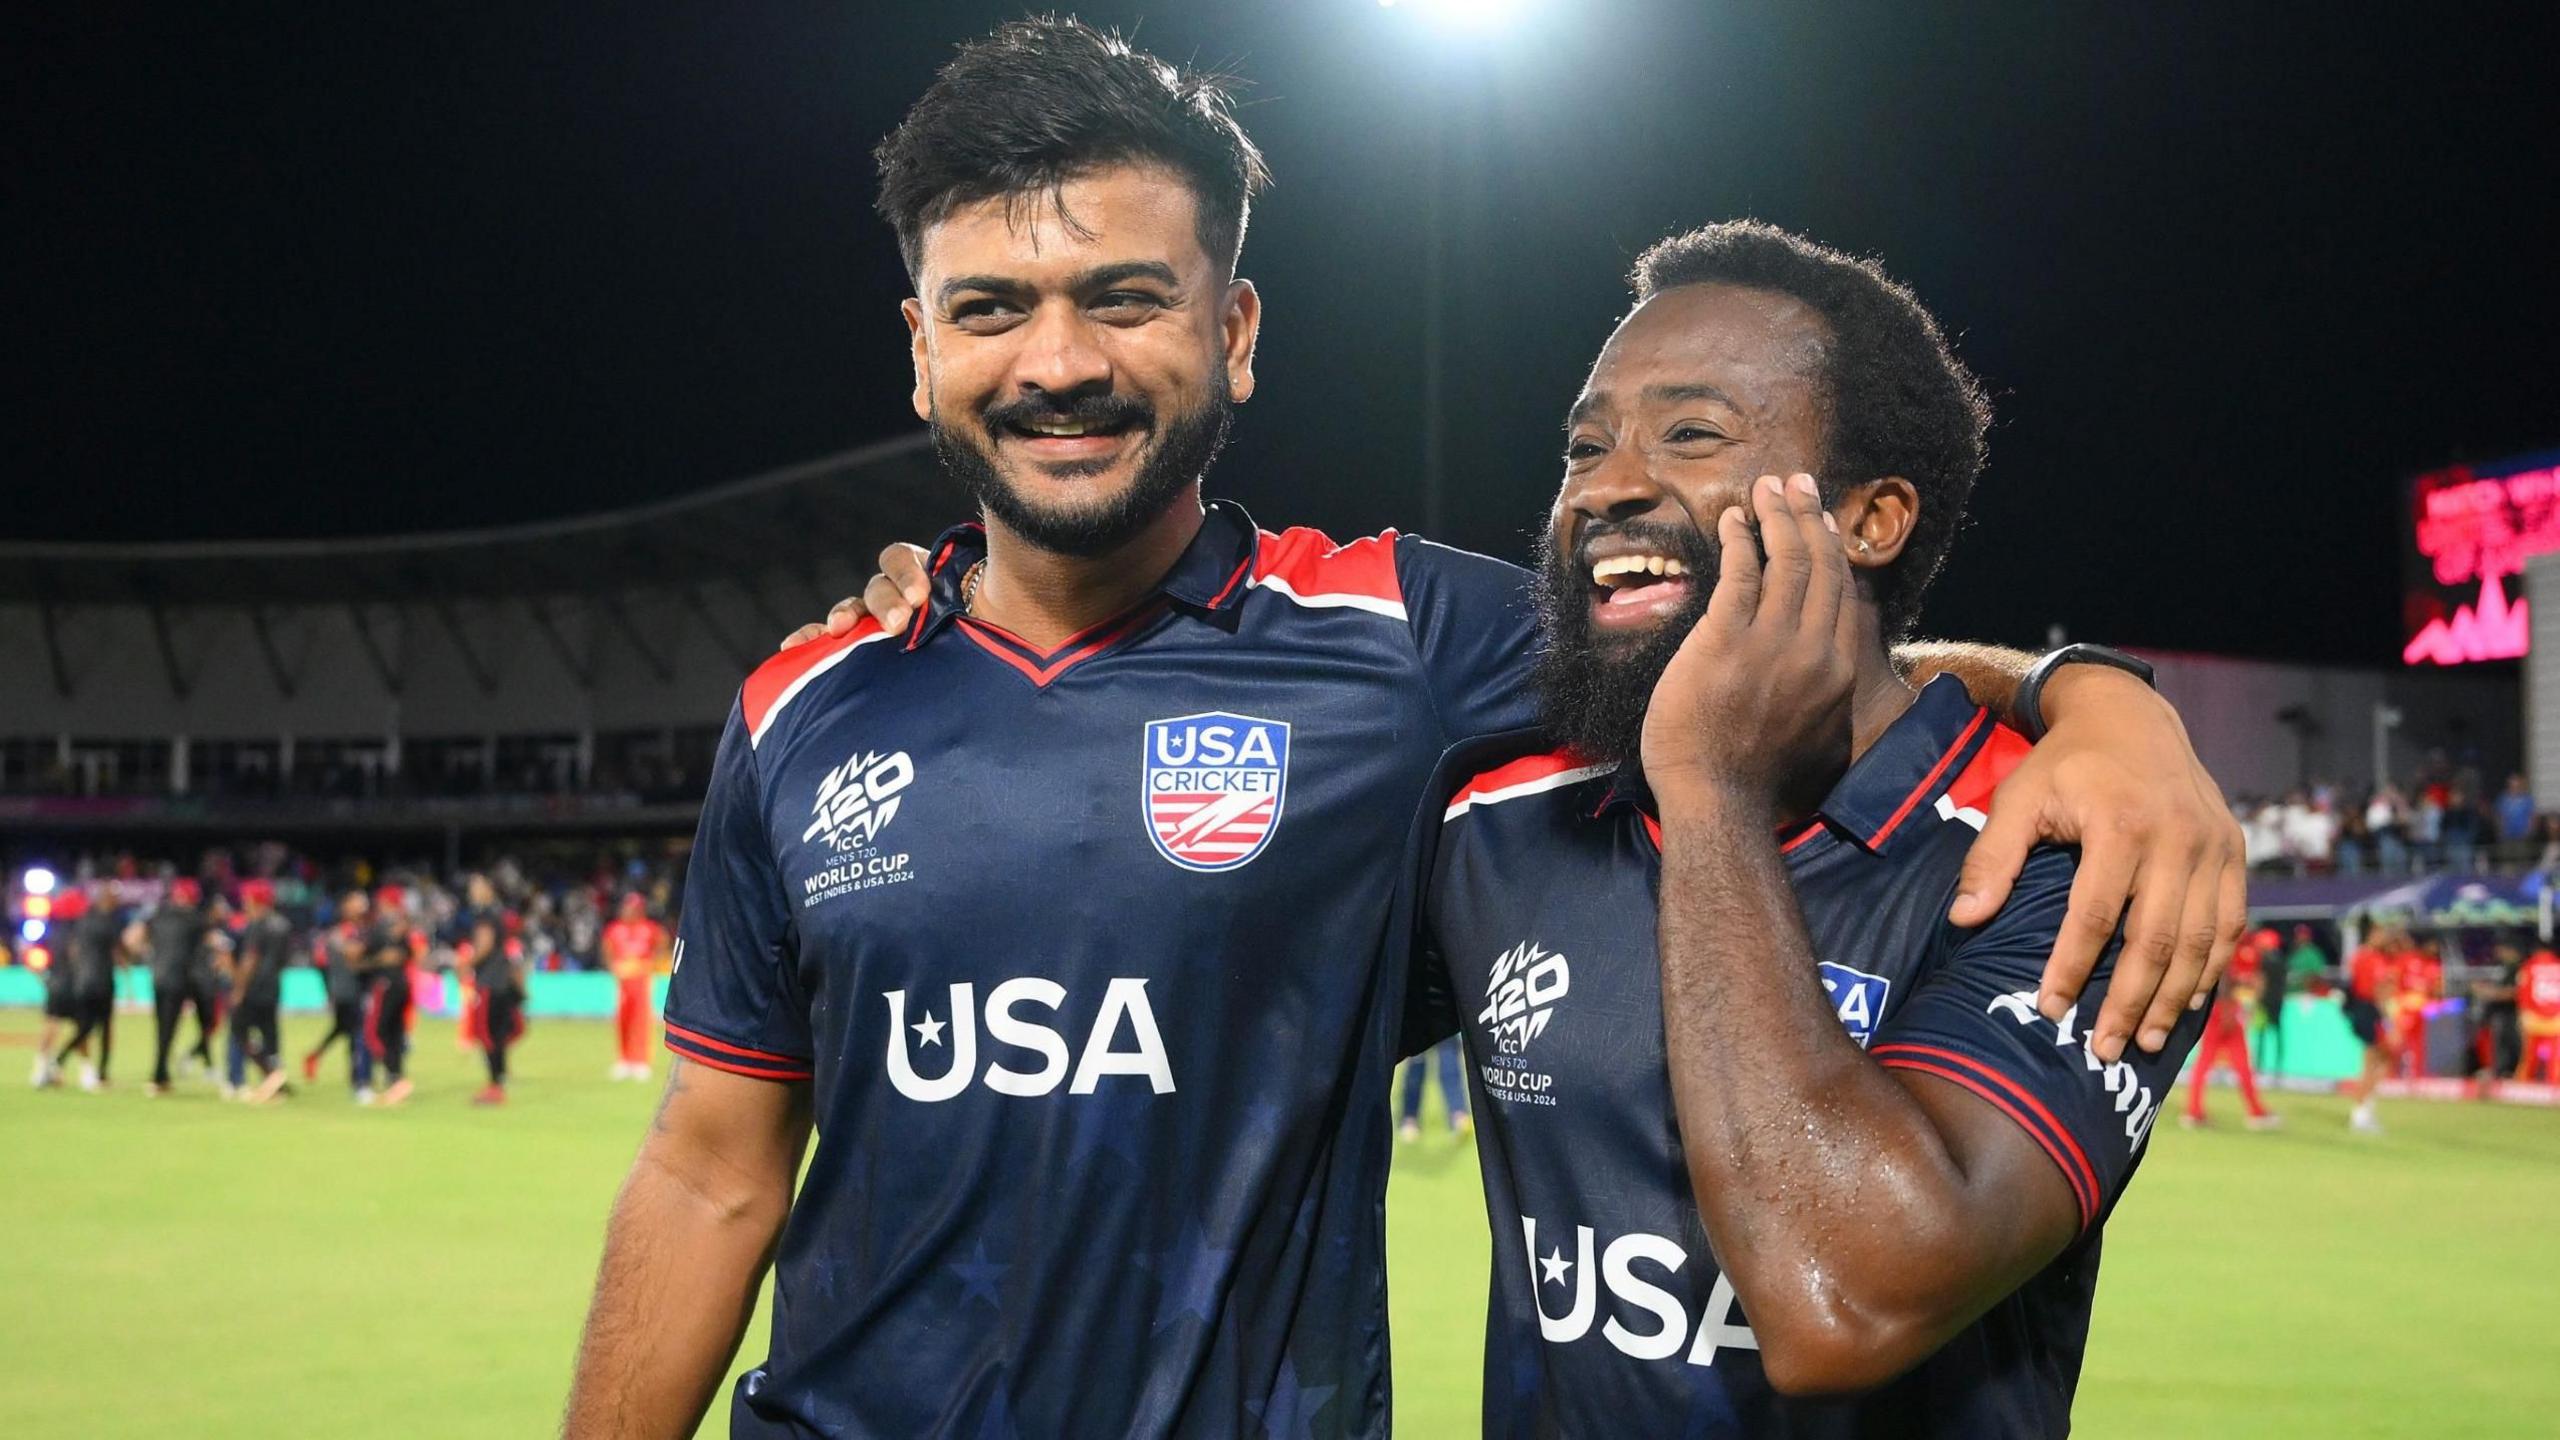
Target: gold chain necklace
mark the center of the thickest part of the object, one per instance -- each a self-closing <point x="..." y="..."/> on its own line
<point x="969" y="586"/>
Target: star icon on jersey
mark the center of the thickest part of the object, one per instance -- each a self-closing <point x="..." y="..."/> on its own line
<point x="978" y="1276"/>
<point x="1555" y="1265"/>
<point x="1192" y="1273"/>
<point x="1289" y="1411"/>
<point x="928" y="1030"/>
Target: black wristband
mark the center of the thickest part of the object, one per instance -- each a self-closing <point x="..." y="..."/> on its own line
<point x="2028" y="708"/>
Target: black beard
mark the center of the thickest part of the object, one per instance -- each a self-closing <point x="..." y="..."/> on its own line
<point x="1184" y="450"/>
<point x="1593" y="691"/>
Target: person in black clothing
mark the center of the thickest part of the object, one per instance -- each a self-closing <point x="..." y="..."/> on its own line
<point x="257" y="980"/>
<point x="2273" y="980"/>
<point x="98" y="941"/>
<point x="2498" y="1038"/>
<point x="206" y="981"/>
<point x="61" y="1007"/>
<point x="497" y="972"/>
<point x="342" y="959"/>
<point x="172" y="936"/>
<point x="387" y="997"/>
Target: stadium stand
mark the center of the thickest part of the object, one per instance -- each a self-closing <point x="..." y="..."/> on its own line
<point x="565" y="675"/>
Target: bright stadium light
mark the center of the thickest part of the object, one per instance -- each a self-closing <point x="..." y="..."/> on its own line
<point x="38" y="880"/>
<point x="31" y="930"/>
<point x="1462" y="14"/>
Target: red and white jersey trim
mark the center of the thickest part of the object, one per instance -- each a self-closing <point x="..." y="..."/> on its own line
<point x="780" y="680"/>
<point x="1528" y="775"/>
<point x="1311" y="570"/>
<point x="1969" y="798"/>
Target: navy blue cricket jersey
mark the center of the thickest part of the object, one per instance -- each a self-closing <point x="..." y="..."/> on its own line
<point x="1609" y="1313"/>
<point x="1094" y="962"/>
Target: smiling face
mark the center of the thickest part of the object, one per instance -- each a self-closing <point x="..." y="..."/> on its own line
<point x="1077" y="353"/>
<point x="1701" y="390"/>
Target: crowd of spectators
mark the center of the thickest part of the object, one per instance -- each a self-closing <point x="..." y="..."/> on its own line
<point x="2444" y="820"/>
<point x="557" y="901"/>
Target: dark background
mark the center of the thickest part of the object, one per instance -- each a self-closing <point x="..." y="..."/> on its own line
<point x="2233" y="272"/>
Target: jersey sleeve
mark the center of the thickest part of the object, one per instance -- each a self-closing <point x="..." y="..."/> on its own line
<point x="1476" y="623"/>
<point x="1973" y="1022"/>
<point x="1431" y="1003"/>
<point x="734" y="1002"/>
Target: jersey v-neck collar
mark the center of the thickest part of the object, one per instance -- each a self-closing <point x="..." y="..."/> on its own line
<point x="1207" y="580"/>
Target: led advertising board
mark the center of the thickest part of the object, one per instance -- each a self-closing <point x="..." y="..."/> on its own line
<point x="2469" y="531"/>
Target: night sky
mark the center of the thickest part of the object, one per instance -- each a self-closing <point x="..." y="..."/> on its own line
<point x="2232" y="277"/>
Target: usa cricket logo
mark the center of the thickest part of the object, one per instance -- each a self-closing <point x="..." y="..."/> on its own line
<point x="858" y="799"/>
<point x="1214" y="787"/>
<point x="1859" y="998"/>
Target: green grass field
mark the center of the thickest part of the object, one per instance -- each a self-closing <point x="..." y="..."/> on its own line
<point x="180" y="1267"/>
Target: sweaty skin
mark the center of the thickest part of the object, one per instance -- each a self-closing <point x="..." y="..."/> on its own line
<point x="1864" y="1228"/>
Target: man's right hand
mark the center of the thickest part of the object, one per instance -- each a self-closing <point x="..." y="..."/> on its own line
<point x="891" y="598"/>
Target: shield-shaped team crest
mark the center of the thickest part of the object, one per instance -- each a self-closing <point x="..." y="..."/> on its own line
<point x="1858" y="996"/>
<point x="1214" y="787"/>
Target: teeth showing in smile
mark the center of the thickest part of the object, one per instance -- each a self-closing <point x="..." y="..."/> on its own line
<point x="1619" y="571"/>
<point x="1068" y="428"/>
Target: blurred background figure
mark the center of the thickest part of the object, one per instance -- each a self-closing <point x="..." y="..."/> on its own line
<point x="635" y="949"/>
<point x="1453" y="1090"/>
<point x="2496" y="1044"/>
<point x="173" y="936"/>
<point x="259" y="955"/>
<point x="98" y="945"/>
<point x="390" y="944"/>
<point x="2226" y="1040"/>
<point x="2275" y="981"/>
<point x="341" y="953"/>
<point x="2420" y="985"/>
<point x="2538" y="1017"/>
<point x="61" y="1004"/>
<point x="2373" y="977"/>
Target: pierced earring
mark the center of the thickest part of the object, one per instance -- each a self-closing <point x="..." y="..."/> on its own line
<point x="1860" y="546"/>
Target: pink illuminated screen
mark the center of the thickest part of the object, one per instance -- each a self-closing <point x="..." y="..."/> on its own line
<point x="2471" y="532"/>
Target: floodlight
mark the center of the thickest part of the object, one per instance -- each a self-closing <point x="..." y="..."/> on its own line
<point x="31" y="929"/>
<point x="1466" y="14"/>
<point x="38" y="880"/>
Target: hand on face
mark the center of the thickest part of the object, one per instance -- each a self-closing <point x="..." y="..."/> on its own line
<point x="1761" y="689"/>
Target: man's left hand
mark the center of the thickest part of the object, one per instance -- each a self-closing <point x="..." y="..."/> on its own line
<point x="2116" y="776"/>
<point x="1761" y="688"/>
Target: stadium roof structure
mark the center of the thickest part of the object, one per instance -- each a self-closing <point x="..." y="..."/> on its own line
<point x="740" y="562"/>
<point x="783" y="519"/>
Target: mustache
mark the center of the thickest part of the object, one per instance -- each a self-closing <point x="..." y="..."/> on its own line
<point x="1094" y="409"/>
<point x="1698" y="549"/>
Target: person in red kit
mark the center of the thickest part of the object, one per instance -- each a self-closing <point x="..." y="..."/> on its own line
<point x="2373" y="977"/>
<point x="2538" y="1016"/>
<point x="2226" y="1037"/>
<point x="635" y="950"/>
<point x="2421" y="983"/>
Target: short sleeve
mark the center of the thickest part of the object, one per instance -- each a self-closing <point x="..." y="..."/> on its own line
<point x="733" y="1002"/>
<point x="1476" y="623"/>
<point x="1973" y="1022"/>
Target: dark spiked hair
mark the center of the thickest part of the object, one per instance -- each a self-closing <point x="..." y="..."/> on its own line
<point x="1041" y="101"/>
<point x="1895" y="399"/>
